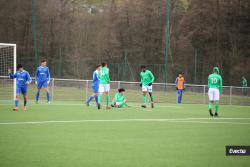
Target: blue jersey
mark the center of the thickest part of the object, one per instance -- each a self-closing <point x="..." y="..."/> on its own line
<point x="96" y="79"/>
<point x="22" y="78"/>
<point x="42" y="74"/>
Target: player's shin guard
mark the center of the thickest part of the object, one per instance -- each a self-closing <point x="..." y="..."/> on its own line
<point x="37" y="95"/>
<point x="107" y="100"/>
<point x="216" y="108"/>
<point x="48" y="96"/>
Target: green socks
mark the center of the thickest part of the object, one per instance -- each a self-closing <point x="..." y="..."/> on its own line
<point x="145" y="99"/>
<point x="217" y="108"/>
<point x="210" y="106"/>
<point x="107" y="100"/>
<point x="100" y="98"/>
<point x="152" y="98"/>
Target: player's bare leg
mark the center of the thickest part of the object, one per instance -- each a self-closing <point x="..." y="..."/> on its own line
<point x="144" y="94"/>
<point x="152" y="99"/>
<point x="210" y="108"/>
<point x="24" y="102"/>
<point x="16" y="103"/>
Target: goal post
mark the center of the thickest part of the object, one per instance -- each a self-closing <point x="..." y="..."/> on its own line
<point x="7" y="60"/>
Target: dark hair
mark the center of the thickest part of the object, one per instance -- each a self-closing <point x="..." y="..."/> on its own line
<point x="19" y="66"/>
<point x="43" y="60"/>
<point x="121" y="90"/>
<point x="143" y="66"/>
<point x="181" y="73"/>
<point x="104" y="64"/>
<point x="99" y="65"/>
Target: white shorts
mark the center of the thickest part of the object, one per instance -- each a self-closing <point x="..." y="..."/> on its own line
<point x="104" y="88"/>
<point x="213" y="94"/>
<point x="147" y="89"/>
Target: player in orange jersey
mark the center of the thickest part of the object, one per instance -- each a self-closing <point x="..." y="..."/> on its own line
<point x="180" y="86"/>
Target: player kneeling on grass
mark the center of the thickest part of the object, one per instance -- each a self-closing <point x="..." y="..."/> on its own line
<point x="95" y="85"/>
<point x="22" y="80"/>
<point x="119" y="100"/>
<point x="214" y="91"/>
<point x="180" y="87"/>
<point x="147" y="79"/>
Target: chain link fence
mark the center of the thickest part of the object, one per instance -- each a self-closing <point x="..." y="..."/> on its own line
<point x="79" y="90"/>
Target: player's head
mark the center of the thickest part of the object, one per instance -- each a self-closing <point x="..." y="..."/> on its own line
<point x="98" y="67"/>
<point x="143" y="68"/>
<point x="20" y="67"/>
<point x="104" y="65"/>
<point x="216" y="70"/>
<point x="180" y="74"/>
<point x="43" y="63"/>
<point x="121" y="90"/>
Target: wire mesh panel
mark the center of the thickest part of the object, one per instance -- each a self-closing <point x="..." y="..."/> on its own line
<point x="6" y="88"/>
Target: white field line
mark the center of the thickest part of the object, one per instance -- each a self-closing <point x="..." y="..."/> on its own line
<point x="180" y="120"/>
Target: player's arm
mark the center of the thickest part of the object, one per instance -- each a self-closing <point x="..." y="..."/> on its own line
<point x="37" y="75"/>
<point x="220" y="88"/>
<point x="11" y="75"/>
<point x="184" y="84"/>
<point x="152" y="78"/>
<point x="208" y="82"/>
<point x="176" y="83"/>
<point x="29" y="80"/>
<point x="48" y="76"/>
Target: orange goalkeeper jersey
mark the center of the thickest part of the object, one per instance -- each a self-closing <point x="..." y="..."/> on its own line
<point x="180" y="83"/>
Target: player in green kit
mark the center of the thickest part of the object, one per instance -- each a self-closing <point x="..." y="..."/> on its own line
<point x="119" y="101"/>
<point x="104" y="86"/>
<point x="147" y="79"/>
<point x="214" y="91"/>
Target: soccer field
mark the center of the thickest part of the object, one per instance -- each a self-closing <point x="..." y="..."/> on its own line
<point x="71" y="134"/>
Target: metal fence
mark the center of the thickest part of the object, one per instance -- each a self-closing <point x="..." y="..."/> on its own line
<point x="79" y="90"/>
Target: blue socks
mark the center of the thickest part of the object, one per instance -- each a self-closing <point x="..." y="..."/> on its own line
<point x="37" y="95"/>
<point x="16" y="103"/>
<point x="89" y="99"/>
<point x="48" y="97"/>
<point x="179" y="99"/>
<point x="96" y="100"/>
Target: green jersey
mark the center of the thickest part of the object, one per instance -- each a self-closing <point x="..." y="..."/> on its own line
<point x="119" y="97"/>
<point x="147" y="77"/>
<point x="215" y="81"/>
<point x="244" y="83"/>
<point x="104" y="75"/>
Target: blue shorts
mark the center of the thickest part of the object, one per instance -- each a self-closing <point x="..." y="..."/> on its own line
<point x="42" y="84"/>
<point x="179" y="91"/>
<point x="95" y="88"/>
<point x="21" y="90"/>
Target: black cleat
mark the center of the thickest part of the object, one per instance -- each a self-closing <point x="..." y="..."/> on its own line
<point x="143" y="106"/>
<point x="87" y="104"/>
<point x="99" y="106"/>
<point x="216" y="114"/>
<point x="152" y="105"/>
<point x="211" y="113"/>
<point x="112" y="105"/>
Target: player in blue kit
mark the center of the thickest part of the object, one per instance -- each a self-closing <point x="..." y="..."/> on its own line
<point x="22" y="80"/>
<point x="95" y="85"/>
<point x="42" y="77"/>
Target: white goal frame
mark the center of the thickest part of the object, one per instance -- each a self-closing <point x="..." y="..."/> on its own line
<point x="14" y="65"/>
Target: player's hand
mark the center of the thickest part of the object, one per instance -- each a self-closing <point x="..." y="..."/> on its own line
<point x="36" y="82"/>
<point x="9" y="70"/>
<point x="149" y="84"/>
<point x="176" y="88"/>
<point x="140" y="84"/>
<point x="48" y="82"/>
<point x="222" y="95"/>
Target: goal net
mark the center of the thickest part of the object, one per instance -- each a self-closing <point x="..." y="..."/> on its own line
<point x="7" y="60"/>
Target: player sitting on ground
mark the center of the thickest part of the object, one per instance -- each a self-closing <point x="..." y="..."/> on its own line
<point x="104" y="86"/>
<point x="42" y="80"/>
<point x="147" y="79"/>
<point x="22" y="80"/>
<point x="119" y="100"/>
<point x="180" y="87"/>
<point x="95" y="85"/>
<point x="214" y="91"/>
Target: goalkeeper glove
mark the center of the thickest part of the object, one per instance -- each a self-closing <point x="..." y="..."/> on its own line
<point x="149" y="84"/>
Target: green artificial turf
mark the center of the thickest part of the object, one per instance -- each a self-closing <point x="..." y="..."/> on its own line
<point x="58" y="135"/>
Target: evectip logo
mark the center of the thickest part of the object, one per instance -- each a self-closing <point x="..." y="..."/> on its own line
<point x="237" y="150"/>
